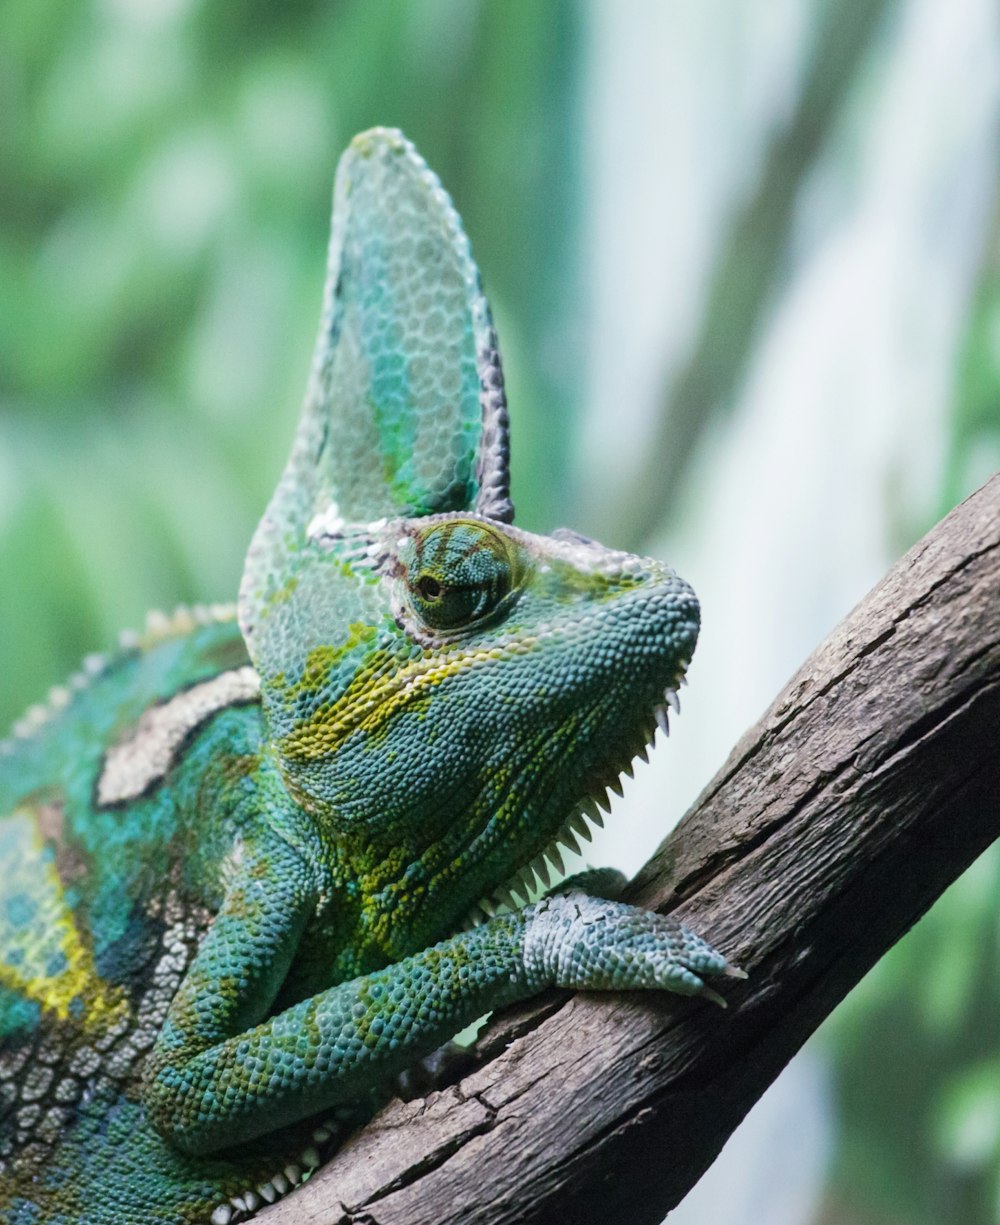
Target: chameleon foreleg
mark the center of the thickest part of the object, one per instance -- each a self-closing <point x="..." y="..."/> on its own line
<point x="332" y="1047"/>
<point x="211" y="1091"/>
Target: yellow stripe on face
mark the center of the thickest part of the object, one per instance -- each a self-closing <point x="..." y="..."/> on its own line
<point x="44" y="958"/>
<point x="378" y="691"/>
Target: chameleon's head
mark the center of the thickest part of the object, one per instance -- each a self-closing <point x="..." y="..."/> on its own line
<point x="437" y="684"/>
<point x="478" y="689"/>
<point x="542" y="662"/>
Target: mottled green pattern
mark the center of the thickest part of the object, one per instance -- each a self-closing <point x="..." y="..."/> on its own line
<point x="233" y="895"/>
<point x="126" y="894"/>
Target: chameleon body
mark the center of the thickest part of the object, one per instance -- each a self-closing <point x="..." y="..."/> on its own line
<point x="238" y="853"/>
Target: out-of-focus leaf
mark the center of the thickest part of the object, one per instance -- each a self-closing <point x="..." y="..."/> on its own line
<point x="968" y="1116"/>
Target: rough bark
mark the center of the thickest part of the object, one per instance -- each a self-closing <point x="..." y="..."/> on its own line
<point x="868" y="786"/>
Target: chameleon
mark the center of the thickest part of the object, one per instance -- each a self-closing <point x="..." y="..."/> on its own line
<point x="240" y="853"/>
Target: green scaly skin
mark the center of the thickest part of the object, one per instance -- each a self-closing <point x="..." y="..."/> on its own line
<point x="238" y="855"/>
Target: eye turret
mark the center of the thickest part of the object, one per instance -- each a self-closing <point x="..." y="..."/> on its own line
<point x="458" y="573"/>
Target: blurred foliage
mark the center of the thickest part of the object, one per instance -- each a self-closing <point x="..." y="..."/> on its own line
<point x="165" y="174"/>
<point x="749" y="264"/>
<point x="165" y="177"/>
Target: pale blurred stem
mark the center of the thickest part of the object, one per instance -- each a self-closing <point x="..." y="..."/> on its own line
<point x="868" y="786"/>
<point x="749" y="262"/>
<point x="973" y="420"/>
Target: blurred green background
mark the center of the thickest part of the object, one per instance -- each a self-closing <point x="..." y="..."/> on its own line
<point x="745" y="263"/>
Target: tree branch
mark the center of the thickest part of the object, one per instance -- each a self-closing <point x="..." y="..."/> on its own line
<point x="867" y="787"/>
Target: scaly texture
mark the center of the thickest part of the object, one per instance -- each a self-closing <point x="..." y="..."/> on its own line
<point x="238" y="865"/>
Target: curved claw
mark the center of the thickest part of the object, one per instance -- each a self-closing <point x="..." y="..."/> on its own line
<point x="706" y="993"/>
<point x="728" y="971"/>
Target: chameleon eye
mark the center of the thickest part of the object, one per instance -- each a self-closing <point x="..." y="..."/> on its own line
<point x="428" y="588"/>
<point x="462" y="571"/>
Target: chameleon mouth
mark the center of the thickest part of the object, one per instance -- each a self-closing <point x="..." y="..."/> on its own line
<point x="529" y="882"/>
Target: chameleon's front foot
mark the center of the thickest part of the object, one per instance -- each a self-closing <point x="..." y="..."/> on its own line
<point x="584" y="942"/>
